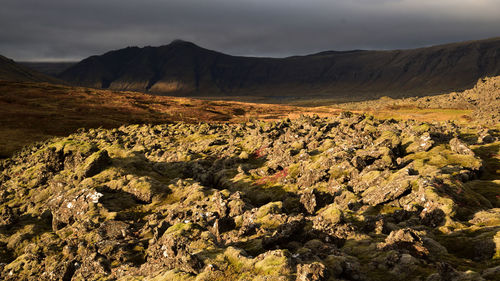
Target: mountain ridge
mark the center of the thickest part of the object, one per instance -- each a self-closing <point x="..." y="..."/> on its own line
<point x="183" y="68"/>
<point x="12" y="71"/>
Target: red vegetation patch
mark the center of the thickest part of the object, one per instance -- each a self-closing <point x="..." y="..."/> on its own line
<point x="273" y="178"/>
<point x="259" y="153"/>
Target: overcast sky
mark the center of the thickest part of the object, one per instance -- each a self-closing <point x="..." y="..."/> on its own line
<point x="75" y="29"/>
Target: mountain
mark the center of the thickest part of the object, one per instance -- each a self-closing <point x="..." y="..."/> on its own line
<point x="183" y="68"/>
<point x="11" y="71"/>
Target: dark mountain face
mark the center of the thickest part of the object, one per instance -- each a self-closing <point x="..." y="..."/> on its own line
<point x="11" y="71"/>
<point x="182" y="68"/>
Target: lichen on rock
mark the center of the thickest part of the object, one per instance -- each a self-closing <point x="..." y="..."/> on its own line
<point x="349" y="197"/>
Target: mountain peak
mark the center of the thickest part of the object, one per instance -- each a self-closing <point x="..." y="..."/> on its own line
<point x="180" y="42"/>
<point x="184" y="68"/>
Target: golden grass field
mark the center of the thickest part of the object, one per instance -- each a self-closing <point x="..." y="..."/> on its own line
<point x="33" y="112"/>
<point x="36" y="111"/>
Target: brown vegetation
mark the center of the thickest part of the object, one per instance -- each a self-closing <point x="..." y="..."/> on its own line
<point x="36" y="111"/>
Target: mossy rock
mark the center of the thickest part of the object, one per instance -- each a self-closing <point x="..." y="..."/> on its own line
<point x="274" y="263"/>
<point x="180" y="229"/>
<point x="332" y="214"/>
<point x="270" y="208"/>
<point x="95" y="163"/>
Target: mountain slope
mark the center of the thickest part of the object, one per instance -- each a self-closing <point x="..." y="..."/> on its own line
<point x="11" y="71"/>
<point x="184" y="68"/>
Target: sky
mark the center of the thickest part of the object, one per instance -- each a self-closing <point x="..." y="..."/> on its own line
<point x="68" y="30"/>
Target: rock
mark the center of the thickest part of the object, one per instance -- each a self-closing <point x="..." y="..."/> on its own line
<point x="312" y="272"/>
<point x="308" y="200"/>
<point x="491" y="273"/>
<point x="356" y="199"/>
<point x="425" y="142"/>
<point x="391" y="191"/>
<point x="172" y="251"/>
<point x="7" y="216"/>
<point x="406" y="240"/>
<point x="347" y="200"/>
<point x="434" y="247"/>
<point x="358" y="162"/>
<point x="420" y="143"/>
<point x="114" y="230"/>
<point x="485" y="137"/>
<point x="460" y="147"/>
<point x="222" y="225"/>
<point x="433" y="217"/>
<point x="95" y="163"/>
<point x="66" y="209"/>
<point x="447" y="273"/>
<point x="220" y="203"/>
<point x="489" y="217"/>
<point x="273" y="263"/>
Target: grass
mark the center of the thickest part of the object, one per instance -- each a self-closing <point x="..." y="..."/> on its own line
<point x="31" y="112"/>
<point x="421" y="114"/>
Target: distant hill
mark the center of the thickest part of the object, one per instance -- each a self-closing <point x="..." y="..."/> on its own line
<point x="183" y="68"/>
<point x="11" y="71"/>
<point x="478" y="105"/>
<point x="48" y="68"/>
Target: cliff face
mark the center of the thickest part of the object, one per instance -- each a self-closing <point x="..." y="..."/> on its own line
<point x="183" y="68"/>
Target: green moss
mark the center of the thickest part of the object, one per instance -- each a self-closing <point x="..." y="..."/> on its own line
<point x="391" y="136"/>
<point x="141" y="187"/>
<point x="252" y="246"/>
<point x="179" y="229"/>
<point x="496" y="241"/>
<point x="293" y="170"/>
<point x="388" y="209"/>
<point x="337" y="172"/>
<point x="244" y="155"/>
<point x="327" y="144"/>
<point x="488" y="189"/>
<point x="266" y="215"/>
<point x="487" y="218"/>
<point x="237" y="260"/>
<point x="297" y="145"/>
<point x="68" y="144"/>
<point x="274" y="264"/>
<point x="332" y="214"/>
<point x="425" y="127"/>
<point x="270" y="208"/>
<point x="370" y="176"/>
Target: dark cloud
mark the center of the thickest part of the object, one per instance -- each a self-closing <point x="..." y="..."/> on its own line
<point x="73" y="29"/>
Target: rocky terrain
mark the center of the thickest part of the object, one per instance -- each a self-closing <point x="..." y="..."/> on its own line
<point x="349" y="197"/>
<point x="32" y="112"/>
<point x="481" y="104"/>
<point x="183" y="68"/>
